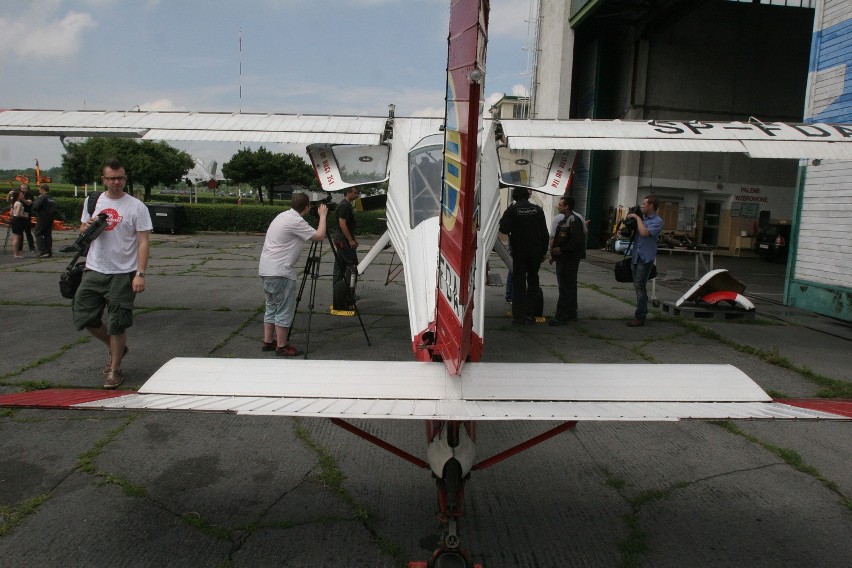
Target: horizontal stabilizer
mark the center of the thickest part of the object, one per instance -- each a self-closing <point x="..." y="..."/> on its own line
<point x="484" y="391"/>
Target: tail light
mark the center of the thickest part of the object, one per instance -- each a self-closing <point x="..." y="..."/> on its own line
<point x="779" y="241"/>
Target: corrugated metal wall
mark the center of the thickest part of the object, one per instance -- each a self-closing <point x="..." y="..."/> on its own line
<point x="820" y="272"/>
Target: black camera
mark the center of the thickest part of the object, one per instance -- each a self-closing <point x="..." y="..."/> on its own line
<point x="314" y="206"/>
<point x="96" y="227"/>
<point x="629" y="224"/>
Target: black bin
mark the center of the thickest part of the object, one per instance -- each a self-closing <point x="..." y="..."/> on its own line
<point x="166" y="217"/>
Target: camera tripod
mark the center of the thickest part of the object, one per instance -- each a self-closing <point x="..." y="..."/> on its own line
<point x="312" y="265"/>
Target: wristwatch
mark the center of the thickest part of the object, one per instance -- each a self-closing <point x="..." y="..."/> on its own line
<point x="142" y="274"/>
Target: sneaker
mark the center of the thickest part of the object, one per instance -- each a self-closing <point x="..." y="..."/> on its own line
<point x="267" y="346"/>
<point x="113" y="379"/>
<point x="555" y="322"/>
<point x="635" y="323"/>
<point x="45" y="255"/>
<point x="287" y="351"/>
<point x="108" y="366"/>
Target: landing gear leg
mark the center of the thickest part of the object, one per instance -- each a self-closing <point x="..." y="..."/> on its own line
<point x="451" y="446"/>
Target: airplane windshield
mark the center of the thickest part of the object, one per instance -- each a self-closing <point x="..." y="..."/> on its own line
<point x="425" y="165"/>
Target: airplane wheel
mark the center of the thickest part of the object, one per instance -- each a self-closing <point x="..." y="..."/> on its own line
<point x="450" y="560"/>
<point x="656" y="303"/>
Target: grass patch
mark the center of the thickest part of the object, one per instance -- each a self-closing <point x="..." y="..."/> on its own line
<point x="831" y="388"/>
<point x="10" y="517"/>
<point x="86" y="462"/>
<point x="234" y="333"/>
<point x="331" y="476"/>
<point x="46" y="359"/>
<point x="218" y="532"/>
<point x="636" y="543"/>
<point x="791" y="458"/>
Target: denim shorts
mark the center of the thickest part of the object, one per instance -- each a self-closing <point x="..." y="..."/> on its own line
<point x="280" y="300"/>
<point x="113" y="292"/>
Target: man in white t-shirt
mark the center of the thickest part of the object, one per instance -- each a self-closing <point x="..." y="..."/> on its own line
<point x="281" y="250"/>
<point x="115" y="268"/>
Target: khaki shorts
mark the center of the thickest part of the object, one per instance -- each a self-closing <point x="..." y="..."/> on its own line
<point x="98" y="291"/>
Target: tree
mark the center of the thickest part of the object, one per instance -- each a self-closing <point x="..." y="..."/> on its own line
<point x="157" y="162"/>
<point x="83" y="162"/>
<point x="262" y="168"/>
<point x="147" y="163"/>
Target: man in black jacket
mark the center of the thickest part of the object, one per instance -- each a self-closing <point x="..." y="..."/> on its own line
<point x="526" y="226"/>
<point x="45" y="209"/>
<point x="567" y="248"/>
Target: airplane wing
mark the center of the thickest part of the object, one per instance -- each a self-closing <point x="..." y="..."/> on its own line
<point x="196" y="126"/>
<point x="755" y="138"/>
<point x="486" y="391"/>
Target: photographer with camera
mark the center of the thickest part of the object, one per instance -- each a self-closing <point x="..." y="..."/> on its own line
<point x="115" y="267"/>
<point x="644" y="252"/>
<point x="281" y="250"/>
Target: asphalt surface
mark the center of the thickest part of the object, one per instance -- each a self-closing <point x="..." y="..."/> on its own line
<point x="92" y="488"/>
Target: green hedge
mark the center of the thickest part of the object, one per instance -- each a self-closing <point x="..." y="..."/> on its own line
<point x="230" y="218"/>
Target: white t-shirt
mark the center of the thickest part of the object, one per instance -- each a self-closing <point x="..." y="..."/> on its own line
<point x="116" y="250"/>
<point x="283" y="244"/>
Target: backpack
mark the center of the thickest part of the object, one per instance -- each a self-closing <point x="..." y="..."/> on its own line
<point x="92" y="203"/>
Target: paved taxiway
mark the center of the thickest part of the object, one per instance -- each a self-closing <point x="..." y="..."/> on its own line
<point x="82" y="488"/>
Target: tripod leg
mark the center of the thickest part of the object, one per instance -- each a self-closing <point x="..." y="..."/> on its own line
<point x="312" y="271"/>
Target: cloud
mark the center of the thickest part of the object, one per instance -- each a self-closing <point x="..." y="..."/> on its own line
<point x="161" y="105"/>
<point x="38" y="35"/>
<point x="520" y="90"/>
<point x="508" y="18"/>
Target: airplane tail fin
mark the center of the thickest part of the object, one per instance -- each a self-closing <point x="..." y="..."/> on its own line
<point x="460" y="196"/>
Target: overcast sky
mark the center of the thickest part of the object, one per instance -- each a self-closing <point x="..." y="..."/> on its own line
<point x="294" y="56"/>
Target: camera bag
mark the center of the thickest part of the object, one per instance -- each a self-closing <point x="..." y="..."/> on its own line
<point x="70" y="280"/>
<point x="623" y="270"/>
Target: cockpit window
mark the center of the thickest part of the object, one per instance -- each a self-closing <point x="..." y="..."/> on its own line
<point x="425" y="165"/>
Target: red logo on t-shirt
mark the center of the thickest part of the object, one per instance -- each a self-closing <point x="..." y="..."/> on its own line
<point x="113" y="218"/>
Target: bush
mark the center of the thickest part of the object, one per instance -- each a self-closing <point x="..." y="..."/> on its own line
<point x="231" y="218"/>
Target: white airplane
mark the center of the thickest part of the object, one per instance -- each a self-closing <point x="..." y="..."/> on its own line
<point x="442" y="218"/>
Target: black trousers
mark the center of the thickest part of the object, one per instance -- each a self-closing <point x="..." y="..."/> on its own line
<point x="346" y="256"/>
<point x="566" y="278"/>
<point x="525" y="284"/>
<point x="28" y="231"/>
<point x="44" y="234"/>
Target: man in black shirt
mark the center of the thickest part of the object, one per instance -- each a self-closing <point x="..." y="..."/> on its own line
<point x="526" y="226"/>
<point x="345" y="244"/>
<point x="45" y="208"/>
